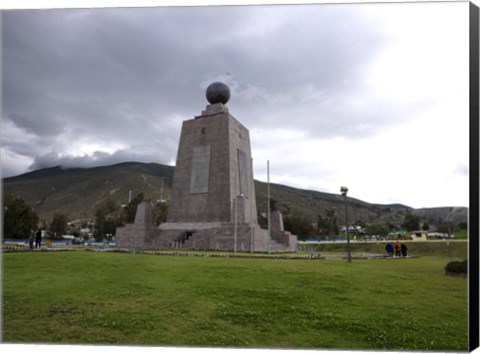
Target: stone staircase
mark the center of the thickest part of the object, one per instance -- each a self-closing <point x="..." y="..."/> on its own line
<point x="223" y="241"/>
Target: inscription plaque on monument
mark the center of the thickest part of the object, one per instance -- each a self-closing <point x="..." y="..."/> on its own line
<point x="242" y="172"/>
<point x="200" y="169"/>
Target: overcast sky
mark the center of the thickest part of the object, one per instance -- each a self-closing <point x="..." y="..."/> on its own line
<point x="370" y="96"/>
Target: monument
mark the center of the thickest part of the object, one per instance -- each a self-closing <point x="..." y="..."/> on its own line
<point x="212" y="202"/>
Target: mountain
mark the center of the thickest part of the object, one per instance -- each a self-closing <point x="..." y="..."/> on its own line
<point x="310" y="204"/>
<point x="77" y="192"/>
<point x="443" y="214"/>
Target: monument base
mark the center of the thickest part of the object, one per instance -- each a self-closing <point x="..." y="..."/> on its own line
<point x="220" y="236"/>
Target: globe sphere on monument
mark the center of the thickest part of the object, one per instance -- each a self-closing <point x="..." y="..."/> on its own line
<point x="218" y="92"/>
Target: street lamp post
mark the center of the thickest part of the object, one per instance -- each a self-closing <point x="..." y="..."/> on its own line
<point x="344" y="191"/>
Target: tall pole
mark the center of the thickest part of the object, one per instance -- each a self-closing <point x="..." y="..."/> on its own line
<point x="344" y="191"/>
<point x="161" y="192"/>
<point x="268" y="204"/>
<point x="251" y="204"/>
<point x="251" y="230"/>
<point x="346" y="230"/>
<point x="235" y="228"/>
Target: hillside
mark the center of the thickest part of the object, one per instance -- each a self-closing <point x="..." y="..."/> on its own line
<point x="77" y="192"/>
<point x="443" y="214"/>
<point x="312" y="203"/>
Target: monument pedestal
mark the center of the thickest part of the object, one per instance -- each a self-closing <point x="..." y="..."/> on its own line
<point x="135" y="235"/>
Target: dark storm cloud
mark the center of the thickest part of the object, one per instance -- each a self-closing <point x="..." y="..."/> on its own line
<point x="36" y="124"/>
<point x="119" y="75"/>
<point x="97" y="158"/>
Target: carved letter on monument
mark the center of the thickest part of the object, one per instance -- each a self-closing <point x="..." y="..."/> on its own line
<point x="200" y="169"/>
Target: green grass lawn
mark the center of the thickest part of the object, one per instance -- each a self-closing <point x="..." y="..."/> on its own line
<point x="120" y="298"/>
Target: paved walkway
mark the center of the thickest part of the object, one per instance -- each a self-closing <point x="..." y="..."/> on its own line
<point x="188" y="253"/>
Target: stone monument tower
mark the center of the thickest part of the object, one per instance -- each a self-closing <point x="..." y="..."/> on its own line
<point x="212" y="201"/>
<point x="213" y="173"/>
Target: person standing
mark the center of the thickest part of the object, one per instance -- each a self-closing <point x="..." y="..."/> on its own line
<point x="31" y="240"/>
<point x="38" y="238"/>
<point x="398" y="249"/>
<point x="404" y="250"/>
<point x="389" y="249"/>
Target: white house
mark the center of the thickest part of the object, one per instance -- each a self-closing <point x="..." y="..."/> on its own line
<point x="420" y="235"/>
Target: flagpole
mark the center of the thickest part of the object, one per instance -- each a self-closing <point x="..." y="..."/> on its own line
<point x="252" y="202"/>
<point x="268" y="204"/>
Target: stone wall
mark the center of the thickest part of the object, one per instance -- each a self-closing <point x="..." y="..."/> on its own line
<point x="221" y="237"/>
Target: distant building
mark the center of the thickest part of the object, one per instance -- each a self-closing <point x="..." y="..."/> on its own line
<point x="353" y="228"/>
<point x="422" y="235"/>
<point x="438" y="236"/>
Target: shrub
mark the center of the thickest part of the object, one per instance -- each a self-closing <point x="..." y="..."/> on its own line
<point x="457" y="267"/>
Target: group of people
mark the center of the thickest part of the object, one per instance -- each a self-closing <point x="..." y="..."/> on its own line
<point x="35" y="239"/>
<point x="396" y="249"/>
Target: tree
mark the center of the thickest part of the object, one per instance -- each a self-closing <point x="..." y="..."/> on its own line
<point x="327" y="225"/>
<point x="58" y="225"/>
<point x="411" y="222"/>
<point x="273" y="205"/>
<point x="447" y="228"/>
<point x="108" y="216"/>
<point x="463" y="225"/>
<point x="300" y="226"/>
<point x="262" y="221"/>
<point x="376" y="230"/>
<point x="322" y="226"/>
<point x="160" y="211"/>
<point x="390" y="227"/>
<point x="19" y="219"/>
